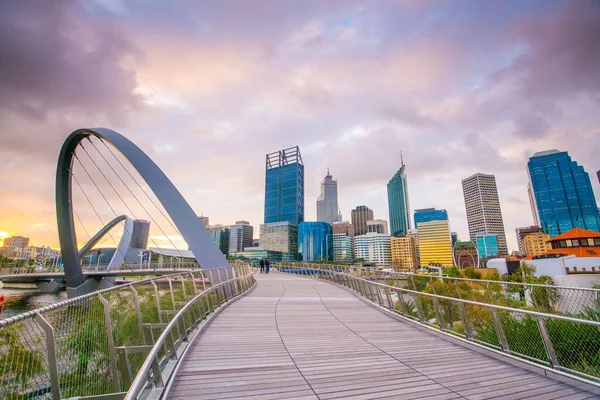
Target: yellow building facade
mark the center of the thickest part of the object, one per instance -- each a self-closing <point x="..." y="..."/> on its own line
<point x="536" y="244"/>
<point x="435" y="243"/>
<point x="404" y="253"/>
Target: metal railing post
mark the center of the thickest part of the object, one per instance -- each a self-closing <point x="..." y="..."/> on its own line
<point x="550" y="352"/>
<point x="51" y="349"/>
<point x="138" y="311"/>
<point x="438" y="314"/>
<point x="500" y="331"/>
<point x="111" y="342"/>
<point x="465" y="321"/>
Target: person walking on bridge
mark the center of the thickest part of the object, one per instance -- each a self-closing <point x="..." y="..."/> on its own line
<point x="262" y="266"/>
<point x="267" y="265"/>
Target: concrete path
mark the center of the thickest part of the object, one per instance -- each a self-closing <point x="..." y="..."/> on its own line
<point x="298" y="338"/>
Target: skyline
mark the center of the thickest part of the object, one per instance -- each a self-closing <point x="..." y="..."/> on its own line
<point x="459" y="87"/>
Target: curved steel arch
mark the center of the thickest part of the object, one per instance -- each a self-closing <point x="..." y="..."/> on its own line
<point x="195" y="234"/>
<point x="123" y="245"/>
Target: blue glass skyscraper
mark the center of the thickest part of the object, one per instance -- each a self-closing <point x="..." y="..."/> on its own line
<point x="315" y="242"/>
<point x="561" y="193"/>
<point x="397" y="191"/>
<point x="487" y="246"/>
<point x="429" y="214"/>
<point x="284" y="187"/>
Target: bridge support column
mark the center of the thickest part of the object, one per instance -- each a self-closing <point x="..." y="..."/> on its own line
<point x="49" y="286"/>
<point x="90" y="285"/>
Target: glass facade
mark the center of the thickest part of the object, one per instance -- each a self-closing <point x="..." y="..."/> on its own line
<point x="342" y="248"/>
<point x="315" y="242"/>
<point x="487" y="246"/>
<point x="562" y="193"/>
<point x="284" y="187"/>
<point x="220" y="235"/>
<point x="397" y="191"/>
<point x="428" y="215"/>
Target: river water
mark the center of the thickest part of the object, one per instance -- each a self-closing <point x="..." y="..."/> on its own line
<point x="18" y="301"/>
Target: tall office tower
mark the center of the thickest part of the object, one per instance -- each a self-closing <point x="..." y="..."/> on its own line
<point x="342" y="248"/>
<point x="315" y="242"/>
<point x="327" y="203"/>
<point x="435" y="243"/>
<point x="203" y="220"/>
<point x="344" y="227"/>
<point x="536" y="220"/>
<point x="521" y="233"/>
<point x="454" y="237"/>
<point x="378" y="226"/>
<point x="279" y="236"/>
<point x="240" y="236"/>
<point x="373" y="247"/>
<point x="220" y="234"/>
<point x="16" y="241"/>
<point x="360" y="215"/>
<point x="487" y="246"/>
<point x="413" y="233"/>
<point x="399" y="207"/>
<point x="284" y="186"/>
<point x="404" y="254"/>
<point x="562" y="193"/>
<point x="140" y="234"/>
<point x="536" y="244"/>
<point x="482" y="203"/>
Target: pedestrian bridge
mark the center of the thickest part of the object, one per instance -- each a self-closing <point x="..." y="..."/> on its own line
<point x="296" y="334"/>
<point x="300" y="338"/>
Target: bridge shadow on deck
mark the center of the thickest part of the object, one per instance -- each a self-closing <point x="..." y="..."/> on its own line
<point x="298" y="338"/>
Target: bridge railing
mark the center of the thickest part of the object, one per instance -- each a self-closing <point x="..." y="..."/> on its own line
<point x="565" y="344"/>
<point x="96" y="344"/>
<point x="583" y="303"/>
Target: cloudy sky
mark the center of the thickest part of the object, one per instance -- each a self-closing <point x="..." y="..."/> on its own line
<point x="207" y="88"/>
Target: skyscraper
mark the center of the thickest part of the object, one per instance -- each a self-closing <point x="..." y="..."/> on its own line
<point x="399" y="208"/>
<point x="327" y="203"/>
<point x="435" y="243"/>
<point x="484" y="215"/>
<point x="378" y="226"/>
<point x="140" y="234"/>
<point x="487" y="245"/>
<point x="315" y="241"/>
<point x="284" y="186"/>
<point x="521" y="233"/>
<point x="240" y="236"/>
<point x="343" y="227"/>
<point x="220" y="234"/>
<point x="561" y="191"/>
<point x="342" y="248"/>
<point x="360" y="215"/>
<point x="373" y="247"/>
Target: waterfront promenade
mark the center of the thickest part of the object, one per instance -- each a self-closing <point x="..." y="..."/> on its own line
<point x="299" y="338"/>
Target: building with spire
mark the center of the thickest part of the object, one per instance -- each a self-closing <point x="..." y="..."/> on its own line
<point x="398" y="205"/>
<point x="561" y="194"/>
<point x="327" y="203"/>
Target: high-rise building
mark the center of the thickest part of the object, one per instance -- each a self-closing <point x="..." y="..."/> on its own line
<point x="414" y="233"/>
<point x="284" y="186"/>
<point x="279" y="236"/>
<point x="562" y="195"/>
<point x="484" y="215"/>
<point x="240" y="236"/>
<point x="404" y="254"/>
<point x="454" y="237"/>
<point x="429" y="214"/>
<point x="360" y="215"/>
<point x="342" y="248"/>
<point x="327" y="203"/>
<point x="343" y="227"/>
<point x="378" y="226"/>
<point x="536" y="220"/>
<point x="487" y="246"/>
<point x="521" y="233"/>
<point x="315" y="242"/>
<point x="399" y="207"/>
<point x="435" y="243"/>
<point x="220" y="234"/>
<point x="140" y="234"/>
<point x="373" y="247"/>
<point x="203" y="220"/>
<point x="465" y="255"/>
<point x="537" y="244"/>
<point x="16" y="241"/>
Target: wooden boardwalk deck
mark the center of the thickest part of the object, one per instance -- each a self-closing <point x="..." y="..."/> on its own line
<point x="298" y="338"/>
